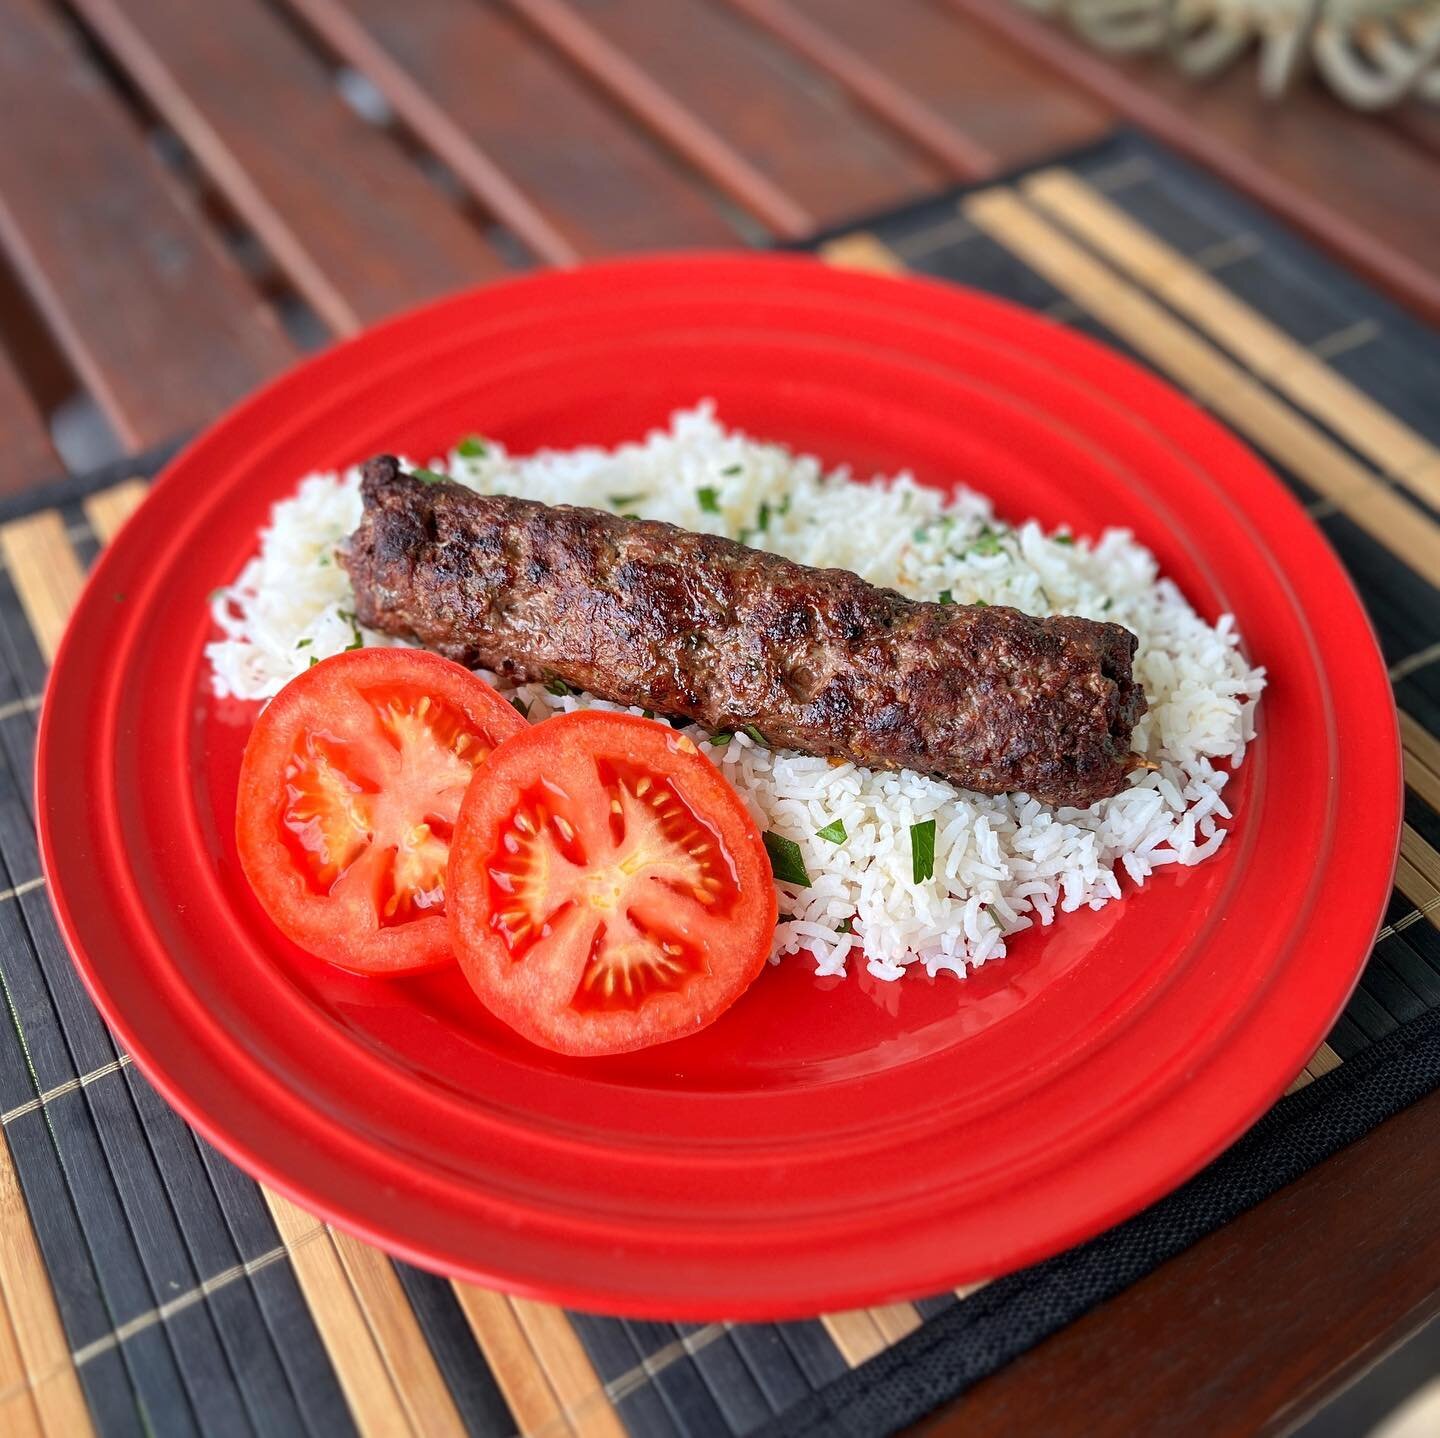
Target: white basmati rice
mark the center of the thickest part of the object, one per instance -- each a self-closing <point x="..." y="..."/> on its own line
<point x="1001" y="863"/>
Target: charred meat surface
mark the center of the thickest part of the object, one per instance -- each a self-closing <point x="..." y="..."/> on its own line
<point x="643" y="613"/>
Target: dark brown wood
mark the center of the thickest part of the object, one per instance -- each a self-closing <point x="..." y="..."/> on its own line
<point x="159" y="325"/>
<point x="27" y="456"/>
<point x="1344" y="178"/>
<point x="871" y="87"/>
<point x="776" y="136"/>
<point x="1255" y="1326"/>
<point x="362" y="233"/>
<point x="532" y="142"/>
<point x="1002" y="103"/>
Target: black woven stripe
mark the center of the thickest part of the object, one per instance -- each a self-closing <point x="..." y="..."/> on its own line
<point x="478" y="1399"/>
<point x="731" y="1384"/>
<point x="693" y="1412"/>
<point x="614" y="1355"/>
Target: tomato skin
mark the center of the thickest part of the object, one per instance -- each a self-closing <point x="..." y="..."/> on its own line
<point x="541" y="991"/>
<point x="326" y="704"/>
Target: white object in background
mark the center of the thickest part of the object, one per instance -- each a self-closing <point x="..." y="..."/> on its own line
<point x="1372" y="53"/>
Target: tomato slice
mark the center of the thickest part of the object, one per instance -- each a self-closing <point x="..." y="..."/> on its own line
<point x="608" y="888"/>
<point x="349" y="790"/>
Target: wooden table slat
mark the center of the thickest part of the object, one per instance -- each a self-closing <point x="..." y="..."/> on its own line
<point x="874" y="88"/>
<point x="27" y="455"/>
<point x="795" y="149"/>
<point x="580" y="183"/>
<point x="1250" y="1329"/>
<point x="1002" y="102"/>
<point x="160" y="326"/>
<point x="361" y="234"/>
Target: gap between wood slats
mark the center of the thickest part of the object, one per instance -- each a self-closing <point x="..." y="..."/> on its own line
<point x="158" y="323"/>
<point x="1215" y="380"/>
<point x="608" y="66"/>
<point x="964" y="157"/>
<point x="465" y="159"/>
<point x="572" y="1377"/>
<point x="1272" y="354"/>
<point x="361" y="236"/>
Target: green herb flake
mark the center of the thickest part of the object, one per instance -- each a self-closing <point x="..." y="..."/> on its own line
<point x="323" y="561"/>
<point x="429" y="476"/>
<point x="620" y="501"/>
<point x="979" y="604"/>
<point x="314" y="660"/>
<point x="988" y="543"/>
<point x="922" y="851"/>
<point x="762" y="518"/>
<point x="708" y="498"/>
<point x="723" y="737"/>
<point x="1063" y="538"/>
<point x="733" y="469"/>
<point x="847" y="926"/>
<point x="946" y="597"/>
<point x="833" y="831"/>
<point x="647" y="713"/>
<point x="756" y="735"/>
<point x="303" y="643"/>
<point x="787" y="863"/>
<point x="1107" y="606"/>
<point x="559" y="688"/>
<point x="472" y="446"/>
<point x="783" y="508"/>
<point x="518" y="705"/>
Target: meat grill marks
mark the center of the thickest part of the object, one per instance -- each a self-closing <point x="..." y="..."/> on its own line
<point x="643" y="613"/>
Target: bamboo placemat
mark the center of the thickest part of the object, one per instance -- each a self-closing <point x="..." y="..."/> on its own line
<point x="150" y="1287"/>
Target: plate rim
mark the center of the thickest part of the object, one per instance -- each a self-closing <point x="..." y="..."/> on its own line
<point x="579" y="1294"/>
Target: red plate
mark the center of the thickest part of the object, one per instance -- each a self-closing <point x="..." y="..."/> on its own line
<point x="826" y="1143"/>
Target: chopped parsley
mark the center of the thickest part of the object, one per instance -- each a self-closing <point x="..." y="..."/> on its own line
<point x="946" y="597"/>
<point x="429" y="476"/>
<point x="833" y="831"/>
<point x="1105" y="608"/>
<point x="314" y="660"/>
<point x="708" y="498"/>
<point x="922" y="851"/>
<point x="518" y="705"/>
<point x="787" y="863"/>
<point x="560" y="688"/>
<point x="847" y="926"/>
<point x="756" y="735"/>
<point x="733" y="469"/>
<point x="783" y="508"/>
<point x="723" y="737"/>
<point x="619" y="501"/>
<point x="988" y="542"/>
<point x="979" y="604"/>
<point x="323" y="560"/>
<point x="472" y="447"/>
<point x="1063" y="538"/>
<point x="304" y="643"/>
<point x="358" y="641"/>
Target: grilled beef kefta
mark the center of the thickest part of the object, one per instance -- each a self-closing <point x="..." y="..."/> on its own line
<point x="643" y="613"/>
